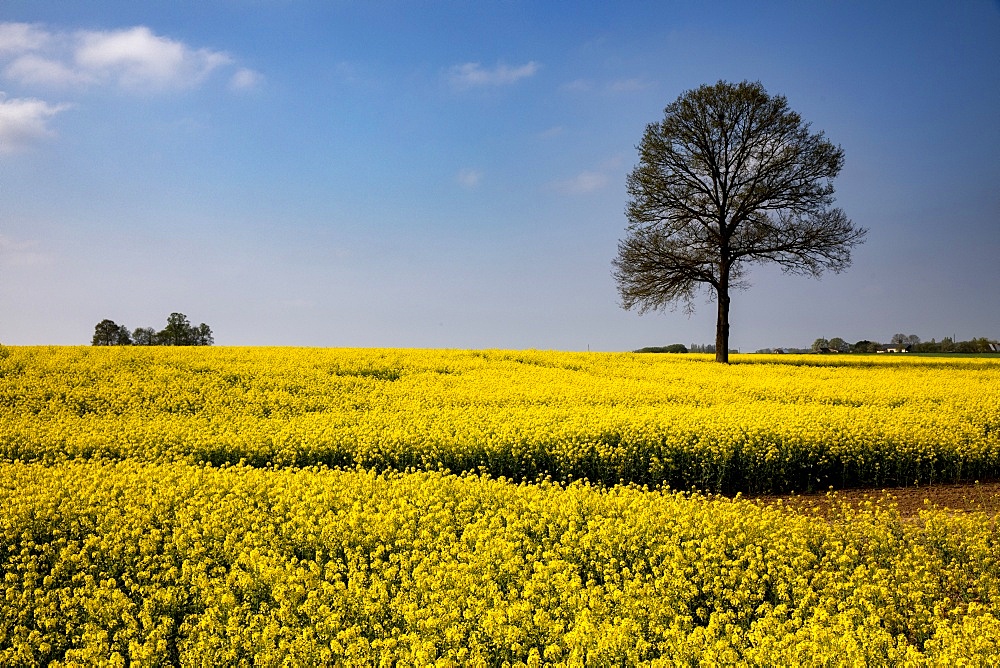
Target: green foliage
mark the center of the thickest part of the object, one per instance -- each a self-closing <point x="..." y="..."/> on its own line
<point x="672" y="348"/>
<point x="866" y="346"/>
<point x="108" y="333"/>
<point x="840" y="345"/>
<point x="178" y="332"/>
<point x="144" y="336"/>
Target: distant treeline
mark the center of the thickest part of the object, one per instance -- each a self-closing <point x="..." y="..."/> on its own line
<point x="178" y="332"/>
<point x="898" y="342"/>
<point x="681" y="348"/>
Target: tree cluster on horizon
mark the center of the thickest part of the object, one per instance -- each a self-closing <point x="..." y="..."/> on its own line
<point x="910" y="342"/>
<point x="178" y="332"/>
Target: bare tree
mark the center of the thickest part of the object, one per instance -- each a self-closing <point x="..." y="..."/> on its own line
<point x="730" y="177"/>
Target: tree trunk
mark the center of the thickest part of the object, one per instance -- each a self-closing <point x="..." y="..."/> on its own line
<point x="722" y="324"/>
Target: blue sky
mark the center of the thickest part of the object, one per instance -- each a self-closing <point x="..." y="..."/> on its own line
<point x="452" y="174"/>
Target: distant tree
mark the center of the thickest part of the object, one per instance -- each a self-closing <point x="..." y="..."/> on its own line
<point x="966" y="347"/>
<point x="981" y="344"/>
<point x="840" y="345"/>
<point x="672" y="348"/>
<point x="865" y="346"/>
<point x="819" y="344"/>
<point x="731" y="177"/>
<point x="144" y="336"/>
<point x="105" y="333"/>
<point x="203" y="335"/>
<point x="180" y="332"/>
<point x="109" y="333"/>
<point x="177" y="332"/>
<point x="907" y="341"/>
<point x="947" y="345"/>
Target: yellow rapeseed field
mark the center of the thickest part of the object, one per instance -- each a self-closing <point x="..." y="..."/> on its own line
<point x="762" y="424"/>
<point x="303" y="507"/>
<point x="132" y="563"/>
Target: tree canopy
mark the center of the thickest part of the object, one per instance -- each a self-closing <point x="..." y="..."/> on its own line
<point x="730" y="177"/>
<point x="178" y="332"/>
<point x="109" y="333"/>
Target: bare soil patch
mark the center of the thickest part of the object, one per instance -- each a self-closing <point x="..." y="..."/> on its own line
<point x="959" y="497"/>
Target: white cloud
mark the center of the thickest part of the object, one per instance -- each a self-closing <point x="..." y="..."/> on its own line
<point x="473" y="74"/>
<point x="24" y="121"/>
<point x="584" y="182"/>
<point x="21" y="37"/>
<point x="245" y="79"/>
<point x="34" y="69"/>
<point x="134" y="58"/>
<point x="139" y="59"/>
<point x="469" y="178"/>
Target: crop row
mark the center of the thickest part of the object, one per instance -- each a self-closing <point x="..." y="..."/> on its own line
<point x="132" y="563"/>
<point x="763" y="424"/>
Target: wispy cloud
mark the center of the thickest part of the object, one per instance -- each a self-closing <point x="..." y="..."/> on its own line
<point x="21" y="37"/>
<point x="245" y="79"/>
<point x="470" y="75"/>
<point x="584" y="182"/>
<point x="589" y="180"/>
<point x="24" y="121"/>
<point x="136" y="58"/>
<point x="133" y="58"/>
<point x="38" y="70"/>
<point x="469" y="178"/>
